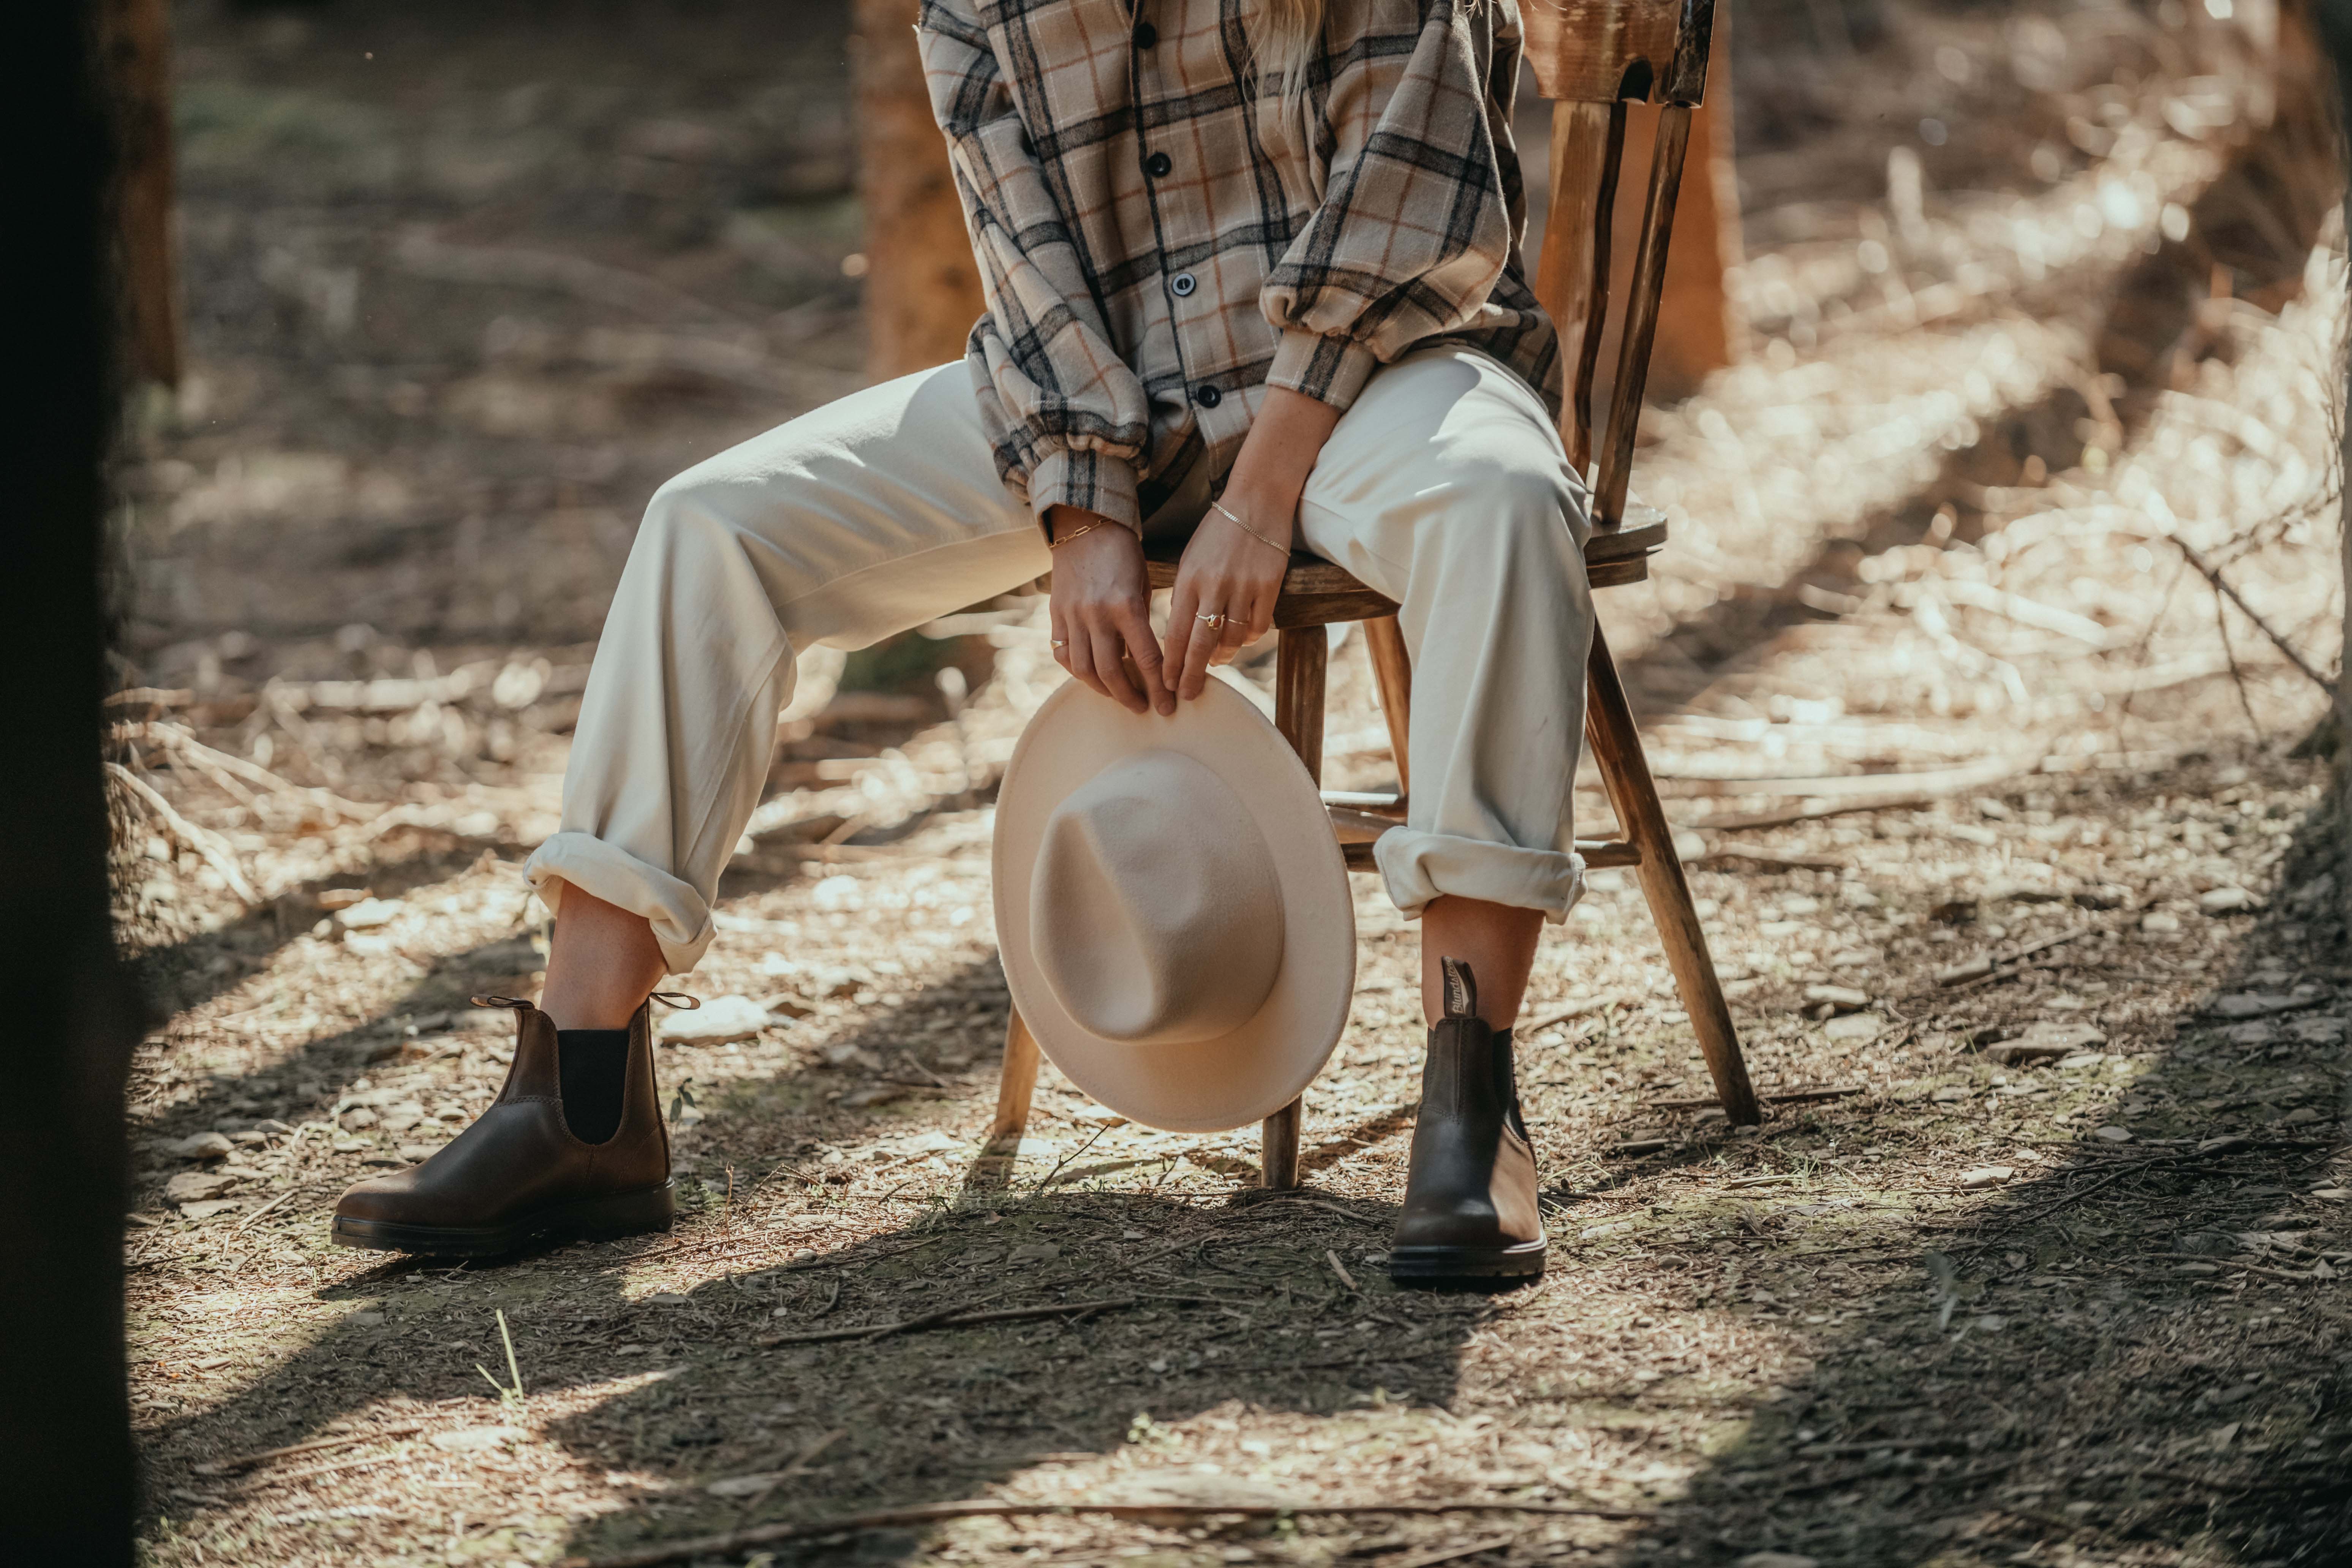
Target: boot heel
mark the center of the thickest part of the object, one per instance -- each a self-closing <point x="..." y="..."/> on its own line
<point x="629" y="1214"/>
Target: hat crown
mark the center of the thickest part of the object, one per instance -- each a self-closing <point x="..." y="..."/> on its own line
<point x="1155" y="909"/>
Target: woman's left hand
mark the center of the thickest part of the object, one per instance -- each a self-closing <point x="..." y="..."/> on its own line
<point x="1227" y="574"/>
<point x="1233" y="570"/>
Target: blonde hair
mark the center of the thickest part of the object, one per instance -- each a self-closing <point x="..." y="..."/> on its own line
<point x="1284" y="37"/>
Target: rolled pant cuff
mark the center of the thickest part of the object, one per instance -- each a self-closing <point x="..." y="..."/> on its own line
<point x="680" y="917"/>
<point x="1419" y="867"/>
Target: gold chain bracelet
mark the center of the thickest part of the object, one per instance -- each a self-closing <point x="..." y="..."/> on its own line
<point x="1283" y="550"/>
<point x="1078" y="532"/>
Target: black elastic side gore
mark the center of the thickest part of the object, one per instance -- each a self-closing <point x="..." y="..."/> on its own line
<point x="592" y="1067"/>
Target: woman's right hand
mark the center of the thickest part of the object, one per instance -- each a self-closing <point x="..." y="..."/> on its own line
<point x="1102" y="611"/>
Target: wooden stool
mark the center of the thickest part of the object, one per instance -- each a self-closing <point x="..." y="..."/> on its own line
<point x="1592" y="58"/>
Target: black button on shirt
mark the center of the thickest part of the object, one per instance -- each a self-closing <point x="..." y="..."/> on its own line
<point x="1146" y="35"/>
<point x="1157" y="165"/>
<point x="1207" y="396"/>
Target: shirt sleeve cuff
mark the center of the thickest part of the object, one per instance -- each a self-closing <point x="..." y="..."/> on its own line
<point x="1090" y="480"/>
<point x="1330" y="370"/>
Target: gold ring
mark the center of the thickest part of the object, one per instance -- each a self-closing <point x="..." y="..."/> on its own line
<point x="1212" y="622"/>
<point x="1057" y="642"/>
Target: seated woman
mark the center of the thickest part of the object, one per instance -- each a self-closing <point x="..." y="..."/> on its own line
<point x="1253" y="281"/>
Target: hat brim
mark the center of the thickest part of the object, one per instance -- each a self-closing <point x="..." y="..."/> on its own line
<point x="1232" y="1081"/>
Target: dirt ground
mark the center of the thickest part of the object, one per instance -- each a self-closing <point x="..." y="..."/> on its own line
<point x="2003" y="818"/>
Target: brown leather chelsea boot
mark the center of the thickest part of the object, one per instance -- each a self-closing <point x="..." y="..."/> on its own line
<point x="521" y="1174"/>
<point x="1470" y="1206"/>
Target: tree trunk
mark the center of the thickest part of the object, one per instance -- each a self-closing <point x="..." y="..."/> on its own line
<point x="66" y="1478"/>
<point x="136" y="35"/>
<point x="922" y="287"/>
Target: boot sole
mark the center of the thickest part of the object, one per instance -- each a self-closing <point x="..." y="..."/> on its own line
<point x="591" y="1219"/>
<point x="1416" y="1264"/>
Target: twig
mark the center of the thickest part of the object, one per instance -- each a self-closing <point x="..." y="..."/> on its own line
<point x="264" y="1209"/>
<point x="1314" y="1203"/>
<point x="1786" y="1097"/>
<point x="316" y="1444"/>
<point x="208" y="846"/>
<point x="1340" y="1269"/>
<point x="2220" y="585"/>
<point x="1073" y="1155"/>
<point x="735" y="1542"/>
<point x="952" y="1318"/>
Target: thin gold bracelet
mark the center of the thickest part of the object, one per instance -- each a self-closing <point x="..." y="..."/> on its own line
<point x="1078" y="532"/>
<point x="1283" y="550"/>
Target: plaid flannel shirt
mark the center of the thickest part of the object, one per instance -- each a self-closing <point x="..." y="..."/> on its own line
<point x="1158" y="241"/>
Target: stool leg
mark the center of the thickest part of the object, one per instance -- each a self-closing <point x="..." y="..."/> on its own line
<point x="1301" y="660"/>
<point x="1014" y="1084"/>
<point x="1617" y="750"/>
<point x="1392" y="672"/>
<point x="1278" y="1148"/>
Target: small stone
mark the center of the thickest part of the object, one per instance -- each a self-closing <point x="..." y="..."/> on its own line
<point x="195" y="1186"/>
<point x="212" y="1208"/>
<point x="2112" y="1134"/>
<point x="716" y="1022"/>
<point x="1989" y="1324"/>
<point x="364" y="1320"/>
<point x="1987" y="1176"/>
<point x="369" y="913"/>
<point x="2251" y="1004"/>
<point x="417" y="1154"/>
<point x="2317" y="1030"/>
<point x="476" y="1439"/>
<point x="1777" y="1560"/>
<point x="1844" y="998"/>
<point x="2225" y="902"/>
<point x="2159" y="922"/>
<point x="1854" y="1027"/>
<point x="2260" y="1031"/>
<point x="360" y="1119"/>
<point x="2302" y="1116"/>
<point x="203" y="1146"/>
<point x="2228" y="1142"/>
<point x="1951" y="1092"/>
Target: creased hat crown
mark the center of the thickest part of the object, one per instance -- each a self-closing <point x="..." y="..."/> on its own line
<point x="1156" y="911"/>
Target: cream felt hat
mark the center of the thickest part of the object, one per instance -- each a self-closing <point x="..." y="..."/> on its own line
<point x="1171" y="907"/>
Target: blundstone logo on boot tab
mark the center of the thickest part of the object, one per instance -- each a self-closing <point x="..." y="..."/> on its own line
<point x="1461" y="989"/>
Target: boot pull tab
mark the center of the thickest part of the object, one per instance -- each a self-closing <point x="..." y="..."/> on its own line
<point x="516" y="1002"/>
<point x="678" y="999"/>
<point x="1461" y="989"/>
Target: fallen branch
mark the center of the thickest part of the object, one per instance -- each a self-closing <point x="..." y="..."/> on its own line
<point x="316" y="1444"/>
<point x="206" y="845"/>
<point x="737" y="1541"/>
<point x="1786" y="1097"/>
<point x="952" y="1318"/>
<point x="2212" y="574"/>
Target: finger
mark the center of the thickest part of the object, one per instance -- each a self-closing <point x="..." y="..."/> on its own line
<point x="1058" y="643"/>
<point x="1182" y="604"/>
<point x="1135" y="626"/>
<point x="1205" y="642"/>
<point x="1078" y="656"/>
<point x="1108" y="646"/>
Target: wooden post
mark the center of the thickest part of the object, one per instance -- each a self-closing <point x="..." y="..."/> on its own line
<point x="68" y="1482"/>
<point x="922" y="287"/>
<point x="136" y="38"/>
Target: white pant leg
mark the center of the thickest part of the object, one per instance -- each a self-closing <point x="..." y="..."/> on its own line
<point x="864" y="518"/>
<point x="1446" y="488"/>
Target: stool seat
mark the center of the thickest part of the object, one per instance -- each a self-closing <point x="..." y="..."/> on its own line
<point x="1315" y="593"/>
